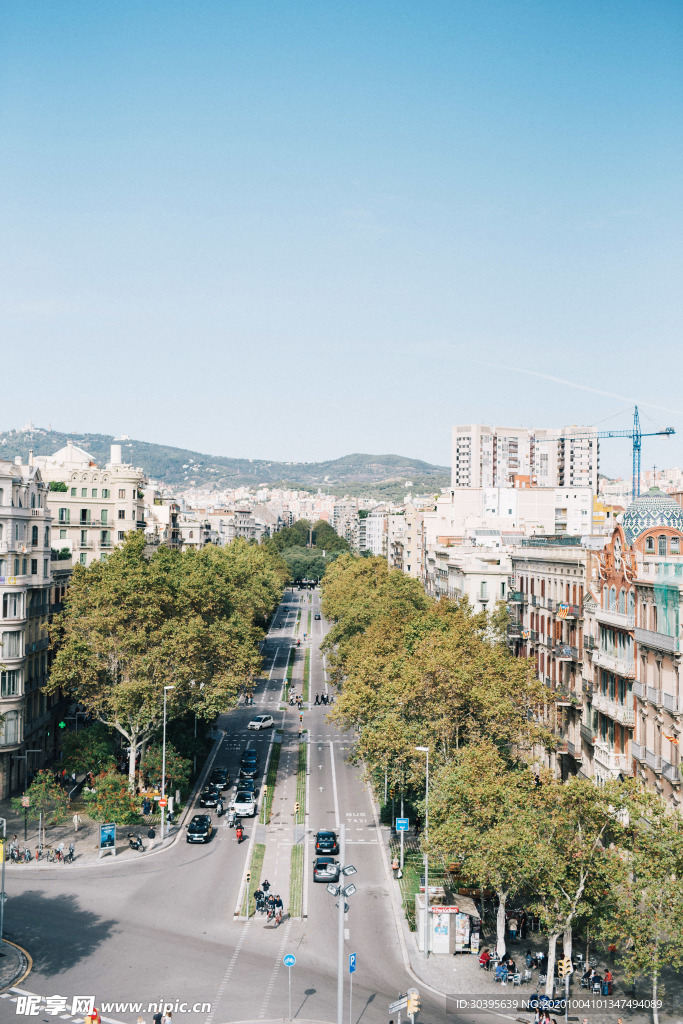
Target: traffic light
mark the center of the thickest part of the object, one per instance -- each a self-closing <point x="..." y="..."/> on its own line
<point x="296" y="807"/>
<point x="391" y="792"/>
<point x="564" y="967"/>
<point x="248" y="877"/>
<point x="413" y="1001"/>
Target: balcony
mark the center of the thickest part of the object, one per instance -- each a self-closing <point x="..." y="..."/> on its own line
<point x="514" y="631"/>
<point x="550" y="604"/>
<point x="672" y="773"/>
<point x="654" y="696"/>
<point x="639" y="689"/>
<point x="587" y="687"/>
<point x="614" y="763"/>
<point x="613" y="618"/>
<point x="574" y="751"/>
<point x="672" y="704"/>
<point x="624" y="715"/>
<point x="620" y="667"/>
<point x="516" y="597"/>
<point x="573" y="611"/>
<point x="653" y="761"/>
<point x="565" y="652"/>
<point x="588" y="643"/>
<point x="587" y="734"/>
<point x="637" y="751"/>
<point x="658" y="641"/>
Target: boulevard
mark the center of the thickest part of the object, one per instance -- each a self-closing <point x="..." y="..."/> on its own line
<point x="163" y="928"/>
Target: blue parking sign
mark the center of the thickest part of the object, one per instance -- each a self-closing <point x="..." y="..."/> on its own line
<point x="402" y="824"/>
<point x="352" y="962"/>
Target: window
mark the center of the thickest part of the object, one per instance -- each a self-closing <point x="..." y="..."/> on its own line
<point x="9" y="732"/>
<point x="12" y="607"/>
<point x="675" y="545"/>
<point x="661" y="545"/>
<point x="64" y="516"/>
<point x="73" y="492"/>
<point x="93" y="493"/>
<point x="622" y="601"/>
<point x="83" y="558"/>
<point x="84" y="538"/>
<point x="104" y="516"/>
<point x="122" y="513"/>
<point x="105" y="492"/>
<point x="46" y="541"/>
<point x="11" y="645"/>
<point x="46" y="571"/>
<point x="122" y="493"/>
<point x="9" y="683"/>
<point x="62" y="534"/>
<point x="84" y="492"/>
<point x="33" y="501"/>
<point x="85" y="516"/>
<point x="34" y="567"/>
<point x="650" y="545"/>
<point x="34" y="536"/>
<point x="105" y="539"/>
<point x="24" y="566"/>
<point x="121" y="534"/>
<point x="16" y="566"/>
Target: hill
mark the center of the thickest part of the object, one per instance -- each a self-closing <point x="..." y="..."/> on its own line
<point x="182" y="467"/>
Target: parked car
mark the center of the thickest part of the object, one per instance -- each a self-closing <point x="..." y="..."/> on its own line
<point x="200" y="829"/>
<point x="326" y="842"/>
<point x="220" y="779"/>
<point x="262" y="722"/>
<point x="325" y="869"/>
<point x="244" y="804"/>
<point x="209" y="797"/>
<point x="317" y="615"/>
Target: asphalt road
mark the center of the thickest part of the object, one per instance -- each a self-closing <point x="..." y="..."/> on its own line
<point x="163" y="929"/>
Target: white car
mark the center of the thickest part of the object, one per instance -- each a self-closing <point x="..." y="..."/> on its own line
<point x="261" y="722"/>
<point x="244" y="804"/>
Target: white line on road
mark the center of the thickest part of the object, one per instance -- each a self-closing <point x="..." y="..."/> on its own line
<point x="228" y="971"/>
<point x="274" y="972"/>
<point x="334" y="787"/>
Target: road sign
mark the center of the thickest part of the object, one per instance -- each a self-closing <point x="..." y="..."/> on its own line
<point x="400" y="1004"/>
<point x="352" y="962"/>
<point x="25" y="801"/>
<point x="402" y="824"/>
<point x="3" y="897"/>
<point x="163" y="801"/>
<point x="289" y="960"/>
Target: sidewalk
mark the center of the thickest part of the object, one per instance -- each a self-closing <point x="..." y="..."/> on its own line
<point x="13" y="965"/>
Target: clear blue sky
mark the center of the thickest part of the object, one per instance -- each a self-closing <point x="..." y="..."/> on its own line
<point x="300" y="229"/>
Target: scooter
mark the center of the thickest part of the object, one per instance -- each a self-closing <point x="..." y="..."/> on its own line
<point x="135" y="842"/>
<point x="239" y="832"/>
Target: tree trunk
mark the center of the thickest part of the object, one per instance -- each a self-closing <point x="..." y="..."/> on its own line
<point x="655" y="987"/>
<point x="567" y="942"/>
<point x="500" y="925"/>
<point x="552" y="943"/>
<point x="131" y="761"/>
<point x="143" y="747"/>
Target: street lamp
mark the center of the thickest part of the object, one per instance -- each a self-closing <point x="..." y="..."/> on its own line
<point x="3" y="895"/>
<point x="425" y="750"/>
<point x="163" y="768"/>
<point x="341" y="891"/>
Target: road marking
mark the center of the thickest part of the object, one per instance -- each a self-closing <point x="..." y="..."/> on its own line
<point x="228" y="971"/>
<point x="334" y="787"/>
<point x="274" y="972"/>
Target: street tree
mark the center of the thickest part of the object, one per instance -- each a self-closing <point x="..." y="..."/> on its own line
<point x="47" y="800"/>
<point x="91" y="749"/>
<point x="178" y="768"/>
<point x="111" y="800"/>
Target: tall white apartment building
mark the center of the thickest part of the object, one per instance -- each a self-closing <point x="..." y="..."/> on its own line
<point x="493" y="456"/>
<point x="92" y="508"/>
<point x="25" y="582"/>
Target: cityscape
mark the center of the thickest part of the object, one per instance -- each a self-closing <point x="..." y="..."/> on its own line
<point x="341" y="513"/>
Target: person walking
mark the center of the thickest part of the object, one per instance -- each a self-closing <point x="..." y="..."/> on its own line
<point x="395" y="866"/>
<point x="76" y="821"/>
<point x="512" y="928"/>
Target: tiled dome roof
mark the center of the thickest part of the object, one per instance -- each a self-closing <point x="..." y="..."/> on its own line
<point x="651" y="510"/>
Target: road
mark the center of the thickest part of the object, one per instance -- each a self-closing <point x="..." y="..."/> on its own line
<point x="164" y="928"/>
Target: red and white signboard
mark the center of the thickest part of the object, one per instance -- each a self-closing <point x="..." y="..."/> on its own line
<point x="163" y="801"/>
<point x="25" y="801"/>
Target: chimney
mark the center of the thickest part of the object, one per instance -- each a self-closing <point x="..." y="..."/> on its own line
<point x="17" y="460"/>
<point x="115" y="459"/>
<point x="30" y="456"/>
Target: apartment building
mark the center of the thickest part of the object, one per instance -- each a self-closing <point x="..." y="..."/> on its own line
<point x="92" y="508"/>
<point x="484" y="456"/>
<point x="25" y="583"/>
<point x="455" y="572"/>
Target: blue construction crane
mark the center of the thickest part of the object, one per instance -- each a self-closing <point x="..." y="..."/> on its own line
<point x="636" y="436"/>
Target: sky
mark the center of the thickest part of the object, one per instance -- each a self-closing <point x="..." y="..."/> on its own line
<point x="296" y="230"/>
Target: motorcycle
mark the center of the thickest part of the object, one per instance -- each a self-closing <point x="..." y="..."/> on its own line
<point x="135" y="842"/>
<point x="232" y="818"/>
<point x="239" y="832"/>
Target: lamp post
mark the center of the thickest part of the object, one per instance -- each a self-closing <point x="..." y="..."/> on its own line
<point x="2" y="894"/>
<point x="163" y="767"/>
<point x="425" y="750"/>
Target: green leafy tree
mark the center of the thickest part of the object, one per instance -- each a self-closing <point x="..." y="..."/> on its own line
<point x="304" y="564"/>
<point x="89" y="750"/>
<point x="177" y="768"/>
<point x="111" y="799"/>
<point x="647" y="893"/>
<point x="484" y="813"/>
<point x="134" y="626"/>
<point x="47" y="798"/>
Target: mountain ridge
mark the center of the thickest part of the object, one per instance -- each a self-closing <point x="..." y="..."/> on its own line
<point x="183" y="467"/>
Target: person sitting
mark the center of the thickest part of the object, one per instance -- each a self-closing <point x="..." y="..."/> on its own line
<point x="511" y="966"/>
<point x="501" y="973"/>
<point x="484" y="959"/>
<point x="596" y="983"/>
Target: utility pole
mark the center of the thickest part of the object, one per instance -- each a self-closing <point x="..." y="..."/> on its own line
<point x="340" y="931"/>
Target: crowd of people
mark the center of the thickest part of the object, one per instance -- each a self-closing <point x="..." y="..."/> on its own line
<point x="268" y="903"/>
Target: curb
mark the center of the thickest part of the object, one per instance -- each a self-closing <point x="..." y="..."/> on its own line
<point x="25" y="969"/>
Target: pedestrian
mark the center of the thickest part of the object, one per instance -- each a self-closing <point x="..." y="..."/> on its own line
<point x="141" y="1020"/>
<point x="607" y="980"/>
<point x="151" y="835"/>
<point x="395" y="866"/>
<point x="167" y="1017"/>
<point x="76" y="821"/>
<point x="156" y="1019"/>
<point x="512" y="928"/>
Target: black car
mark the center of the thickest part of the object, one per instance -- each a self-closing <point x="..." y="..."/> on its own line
<point x="209" y="797"/>
<point x="249" y="764"/>
<point x="247" y="784"/>
<point x="326" y="842"/>
<point x="220" y="779"/>
<point x="326" y="869"/>
<point x="200" y="829"/>
<point x="317" y="615"/>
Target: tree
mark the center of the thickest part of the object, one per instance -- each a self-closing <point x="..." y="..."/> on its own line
<point x="89" y="750"/>
<point x="304" y="564"/>
<point x="133" y="626"/>
<point x="483" y="813"/>
<point x="111" y="799"/>
<point x="177" y="768"/>
<point x="647" y="892"/>
<point x="46" y="798"/>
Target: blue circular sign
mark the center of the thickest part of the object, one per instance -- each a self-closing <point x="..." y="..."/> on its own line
<point x="289" y="960"/>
